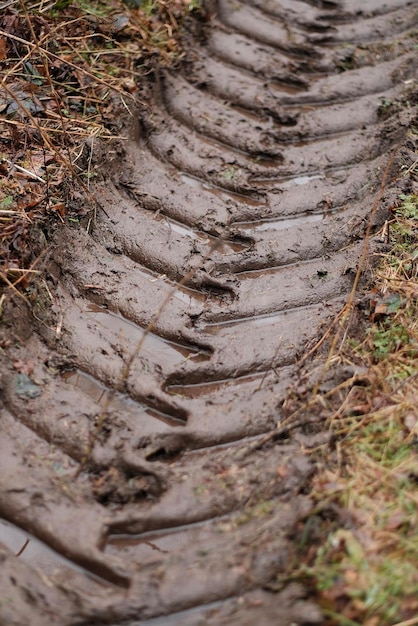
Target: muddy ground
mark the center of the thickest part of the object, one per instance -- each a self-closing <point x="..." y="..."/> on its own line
<point x="165" y="338"/>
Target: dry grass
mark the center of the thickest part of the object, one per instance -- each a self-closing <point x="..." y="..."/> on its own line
<point x="69" y="75"/>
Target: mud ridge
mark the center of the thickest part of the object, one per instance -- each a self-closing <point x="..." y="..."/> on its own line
<point x="251" y="171"/>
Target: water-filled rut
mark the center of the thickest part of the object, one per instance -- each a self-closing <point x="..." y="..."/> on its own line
<point x="251" y="171"/>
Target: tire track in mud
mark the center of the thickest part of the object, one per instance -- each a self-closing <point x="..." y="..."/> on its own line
<point x="255" y="166"/>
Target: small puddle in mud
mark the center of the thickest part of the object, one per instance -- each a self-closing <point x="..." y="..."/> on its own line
<point x="252" y="116"/>
<point x="181" y="229"/>
<point x="132" y="411"/>
<point x="282" y="86"/>
<point x="201" y="389"/>
<point x="264" y="319"/>
<point x="37" y="554"/>
<point x="302" y="180"/>
<point x="262" y="158"/>
<point x="281" y="224"/>
<point x="154" y="543"/>
<point x="287" y="182"/>
<point x="224" y="246"/>
<point x="265" y="271"/>
<point x="310" y="139"/>
<point x="198" y="615"/>
<point x="190" y="296"/>
<point x="166" y="351"/>
<point x="223" y="194"/>
<point x="284" y="223"/>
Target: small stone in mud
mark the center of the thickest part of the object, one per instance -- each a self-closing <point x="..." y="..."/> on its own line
<point x="25" y="388"/>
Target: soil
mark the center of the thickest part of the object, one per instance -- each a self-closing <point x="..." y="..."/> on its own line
<point x="233" y="220"/>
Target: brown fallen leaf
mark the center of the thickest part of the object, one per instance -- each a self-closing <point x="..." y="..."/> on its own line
<point x="24" y="367"/>
<point x="283" y="471"/>
<point x="3" y="49"/>
<point x="411" y="422"/>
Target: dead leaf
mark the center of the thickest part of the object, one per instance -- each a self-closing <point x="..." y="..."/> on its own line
<point x="396" y="520"/>
<point x="3" y="49"/>
<point x="352" y="545"/>
<point x="387" y="305"/>
<point x="59" y="208"/>
<point x="351" y="576"/>
<point x="282" y="471"/>
<point x="24" y="367"/>
<point x="411" y="422"/>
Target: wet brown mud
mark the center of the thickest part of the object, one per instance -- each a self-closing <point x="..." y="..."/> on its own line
<point x="251" y="171"/>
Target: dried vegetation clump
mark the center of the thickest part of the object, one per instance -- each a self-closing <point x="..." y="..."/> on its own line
<point x="69" y="72"/>
<point x="359" y="547"/>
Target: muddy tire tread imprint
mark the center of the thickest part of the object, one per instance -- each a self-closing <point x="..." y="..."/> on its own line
<point x="254" y="165"/>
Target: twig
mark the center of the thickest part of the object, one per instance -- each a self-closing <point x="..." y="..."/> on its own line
<point x="50" y="54"/>
<point x="346" y="312"/>
<point x="409" y="622"/>
<point x="281" y="429"/>
<point x="342" y="318"/>
<point x="25" y="171"/>
<point x="126" y="368"/>
<point x="12" y="287"/>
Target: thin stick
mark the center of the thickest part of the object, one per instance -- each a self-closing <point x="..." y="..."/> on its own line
<point x="342" y="317"/>
<point x="25" y="171"/>
<point x="12" y="287"/>
<point x="129" y="362"/>
<point x="67" y="62"/>
<point x="409" y="622"/>
<point x="348" y="308"/>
